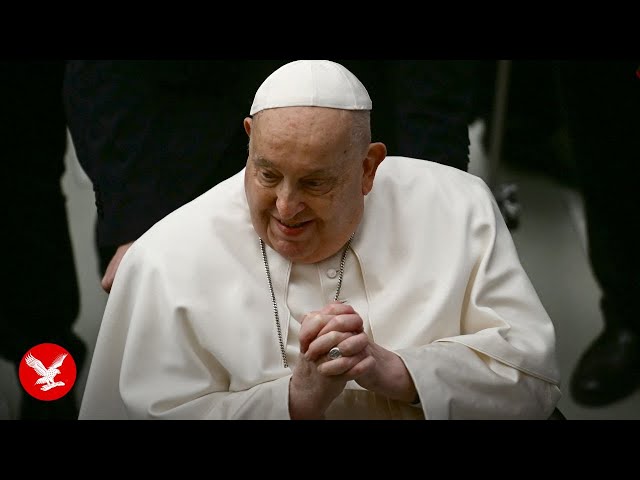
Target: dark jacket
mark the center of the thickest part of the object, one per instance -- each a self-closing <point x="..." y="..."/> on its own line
<point x="153" y="135"/>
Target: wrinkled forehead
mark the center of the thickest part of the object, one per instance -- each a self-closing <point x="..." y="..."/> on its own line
<point x="307" y="137"/>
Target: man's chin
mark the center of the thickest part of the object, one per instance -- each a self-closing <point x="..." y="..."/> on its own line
<point x="294" y="250"/>
<point x="291" y="251"/>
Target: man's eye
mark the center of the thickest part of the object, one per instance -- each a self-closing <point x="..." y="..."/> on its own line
<point x="268" y="176"/>
<point x="314" y="183"/>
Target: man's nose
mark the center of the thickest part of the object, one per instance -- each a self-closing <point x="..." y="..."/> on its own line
<point x="289" y="202"/>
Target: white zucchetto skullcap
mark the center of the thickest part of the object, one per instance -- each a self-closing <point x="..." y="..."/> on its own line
<point x="311" y="83"/>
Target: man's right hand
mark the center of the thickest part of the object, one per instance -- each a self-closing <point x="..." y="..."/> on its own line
<point x="112" y="268"/>
<point x="314" y="385"/>
<point x="310" y="392"/>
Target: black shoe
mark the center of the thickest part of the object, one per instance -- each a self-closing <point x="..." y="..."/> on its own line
<point x="609" y="370"/>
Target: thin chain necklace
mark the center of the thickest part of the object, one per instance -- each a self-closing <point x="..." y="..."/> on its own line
<point x="273" y="296"/>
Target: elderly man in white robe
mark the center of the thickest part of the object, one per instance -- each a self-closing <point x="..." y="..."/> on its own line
<point x="300" y="288"/>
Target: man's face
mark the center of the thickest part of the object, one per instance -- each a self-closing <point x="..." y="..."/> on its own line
<point x="305" y="180"/>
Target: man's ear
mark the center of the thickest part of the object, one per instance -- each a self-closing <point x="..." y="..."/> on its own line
<point x="375" y="155"/>
<point x="247" y="125"/>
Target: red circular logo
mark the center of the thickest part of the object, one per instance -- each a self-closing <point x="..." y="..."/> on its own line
<point x="47" y="371"/>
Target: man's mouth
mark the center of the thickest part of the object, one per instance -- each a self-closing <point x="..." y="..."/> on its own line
<point x="292" y="225"/>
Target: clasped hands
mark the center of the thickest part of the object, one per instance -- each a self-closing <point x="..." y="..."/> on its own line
<point x="317" y="379"/>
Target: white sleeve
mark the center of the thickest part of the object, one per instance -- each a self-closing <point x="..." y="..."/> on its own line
<point x="148" y="363"/>
<point x="503" y="364"/>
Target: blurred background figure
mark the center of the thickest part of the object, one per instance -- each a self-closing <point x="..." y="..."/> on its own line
<point x="576" y="122"/>
<point x="602" y="100"/>
<point x="153" y="135"/>
<point x="41" y="302"/>
<point x="423" y="108"/>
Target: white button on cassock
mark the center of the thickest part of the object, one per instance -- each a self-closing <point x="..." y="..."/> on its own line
<point x="331" y="273"/>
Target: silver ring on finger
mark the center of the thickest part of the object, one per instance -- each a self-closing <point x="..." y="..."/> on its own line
<point x="334" y="353"/>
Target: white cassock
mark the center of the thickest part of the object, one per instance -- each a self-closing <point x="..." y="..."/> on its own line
<point x="189" y="330"/>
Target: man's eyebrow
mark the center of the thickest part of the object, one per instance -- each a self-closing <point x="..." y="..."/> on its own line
<point x="263" y="162"/>
<point x="323" y="172"/>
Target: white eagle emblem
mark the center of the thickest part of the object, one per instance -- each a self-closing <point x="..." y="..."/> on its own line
<point x="47" y="374"/>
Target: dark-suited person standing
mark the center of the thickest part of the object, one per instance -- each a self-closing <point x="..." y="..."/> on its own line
<point x="602" y="100"/>
<point x="41" y="301"/>
<point x="153" y="135"/>
<point x="423" y="107"/>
